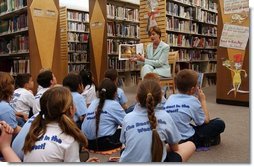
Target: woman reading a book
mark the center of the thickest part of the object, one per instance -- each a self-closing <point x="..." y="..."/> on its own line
<point x="156" y="58"/>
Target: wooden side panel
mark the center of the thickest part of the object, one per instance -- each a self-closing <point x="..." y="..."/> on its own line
<point x="44" y="37"/>
<point x="224" y="75"/>
<point x="98" y="32"/>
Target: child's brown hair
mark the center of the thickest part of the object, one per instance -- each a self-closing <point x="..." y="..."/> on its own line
<point x="107" y="90"/>
<point x="58" y="102"/>
<point x="6" y="86"/>
<point x="152" y="76"/>
<point x="149" y="95"/>
<point x="111" y="74"/>
<point x="186" y="79"/>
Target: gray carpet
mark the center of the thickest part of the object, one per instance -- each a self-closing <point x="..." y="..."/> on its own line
<point x="235" y="141"/>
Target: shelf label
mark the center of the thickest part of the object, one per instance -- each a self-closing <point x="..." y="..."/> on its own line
<point x="96" y="24"/>
<point x="38" y="12"/>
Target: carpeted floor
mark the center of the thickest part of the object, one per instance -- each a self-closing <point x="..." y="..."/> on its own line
<point x="235" y="141"/>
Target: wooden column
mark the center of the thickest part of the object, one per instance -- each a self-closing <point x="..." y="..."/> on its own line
<point x="44" y="38"/>
<point x="98" y="40"/>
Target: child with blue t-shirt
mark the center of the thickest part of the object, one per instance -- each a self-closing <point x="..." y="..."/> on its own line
<point x="120" y="97"/>
<point x="7" y="112"/>
<point x="103" y="117"/>
<point x="149" y="133"/>
<point x="74" y="83"/>
<point x="186" y="108"/>
<point x="45" y="79"/>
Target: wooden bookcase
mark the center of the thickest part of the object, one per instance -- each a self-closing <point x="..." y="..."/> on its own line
<point x="189" y="27"/>
<point x="74" y="25"/>
<point x="35" y="44"/>
<point x="113" y="22"/>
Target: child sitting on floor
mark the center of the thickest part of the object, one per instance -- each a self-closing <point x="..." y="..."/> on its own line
<point x="103" y="117"/>
<point x="184" y="108"/>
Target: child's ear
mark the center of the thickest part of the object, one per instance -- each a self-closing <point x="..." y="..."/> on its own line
<point x="193" y="90"/>
<point x="72" y="110"/>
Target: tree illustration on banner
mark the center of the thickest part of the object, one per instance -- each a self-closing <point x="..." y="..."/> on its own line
<point x="152" y="14"/>
<point x="236" y="67"/>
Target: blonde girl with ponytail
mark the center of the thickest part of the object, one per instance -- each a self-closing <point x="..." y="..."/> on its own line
<point x="53" y="135"/>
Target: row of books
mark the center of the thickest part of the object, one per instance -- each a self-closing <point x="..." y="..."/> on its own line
<point x="78" y="58"/>
<point x="80" y="27"/>
<point x="205" y="4"/>
<point x="15" y="24"/>
<point x="204" y="67"/>
<point x="80" y="47"/>
<point x="18" y="44"/>
<point x="77" y="67"/>
<point x="186" y="26"/>
<point x="77" y="37"/>
<point x="206" y="17"/>
<point x="195" y="14"/>
<point x="190" y="55"/>
<point x="11" y="5"/>
<point x="20" y="67"/>
<point x="191" y="41"/>
<point x="122" y="13"/>
<point x="122" y="30"/>
<point x="78" y="16"/>
<point x="122" y="65"/>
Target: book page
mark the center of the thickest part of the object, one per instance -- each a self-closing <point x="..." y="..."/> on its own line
<point x="126" y="51"/>
<point x="140" y="48"/>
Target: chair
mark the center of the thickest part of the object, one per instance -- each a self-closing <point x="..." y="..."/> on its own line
<point x="169" y="81"/>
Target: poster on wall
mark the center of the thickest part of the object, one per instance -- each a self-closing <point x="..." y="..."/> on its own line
<point x="236" y="6"/>
<point x="234" y="36"/>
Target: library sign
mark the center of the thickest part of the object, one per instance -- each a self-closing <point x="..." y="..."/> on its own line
<point x="234" y="36"/>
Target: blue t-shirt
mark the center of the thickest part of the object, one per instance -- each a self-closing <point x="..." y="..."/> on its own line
<point x="80" y="103"/>
<point x="121" y="97"/>
<point x="18" y="142"/>
<point x="111" y="117"/>
<point x="136" y="134"/>
<point x="184" y="109"/>
<point x="7" y="114"/>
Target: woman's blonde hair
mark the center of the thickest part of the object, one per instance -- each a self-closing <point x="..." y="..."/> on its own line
<point x="56" y="104"/>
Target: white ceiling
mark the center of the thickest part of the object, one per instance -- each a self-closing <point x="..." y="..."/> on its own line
<point x="84" y="4"/>
<point x="75" y="4"/>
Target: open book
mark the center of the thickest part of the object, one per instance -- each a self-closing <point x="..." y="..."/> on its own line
<point x="200" y="79"/>
<point x="126" y="51"/>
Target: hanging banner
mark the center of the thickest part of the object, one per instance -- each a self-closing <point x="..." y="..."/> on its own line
<point x="236" y="6"/>
<point x="235" y="37"/>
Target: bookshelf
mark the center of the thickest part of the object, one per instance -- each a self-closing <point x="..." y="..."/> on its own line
<point x="26" y="44"/>
<point x="75" y="37"/>
<point x="118" y="23"/>
<point x="14" y="44"/>
<point x="190" y="27"/>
